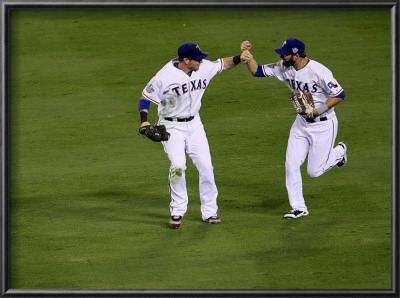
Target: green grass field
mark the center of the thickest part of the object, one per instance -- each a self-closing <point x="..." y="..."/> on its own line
<point x="89" y="197"/>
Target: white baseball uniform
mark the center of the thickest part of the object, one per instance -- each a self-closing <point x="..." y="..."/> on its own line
<point x="315" y="139"/>
<point x="178" y="96"/>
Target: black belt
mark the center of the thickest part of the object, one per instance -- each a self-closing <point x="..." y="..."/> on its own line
<point x="320" y="119"/>
<point x="180" y="119"/>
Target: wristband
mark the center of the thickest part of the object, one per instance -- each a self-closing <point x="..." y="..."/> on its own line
<point x="322" y="109"/>
<point x="236" y="60"/>
<point x="143" y="116"/>
<point x="144" y="104"/>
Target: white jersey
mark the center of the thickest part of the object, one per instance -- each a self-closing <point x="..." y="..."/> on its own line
<point x="314" y="78"/>
<point x="177" y="94"/>
<point x="313" y="139"/>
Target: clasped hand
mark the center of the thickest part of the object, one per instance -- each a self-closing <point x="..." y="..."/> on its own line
<point x="245" y="48"/>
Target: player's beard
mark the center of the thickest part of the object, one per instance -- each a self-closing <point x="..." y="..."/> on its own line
<point x="288" y="63"/>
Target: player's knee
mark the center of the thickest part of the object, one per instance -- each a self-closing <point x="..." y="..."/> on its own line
<point x="177" y="168"/>
<point x="176" y="174"/>
<point x="314" y="173"/>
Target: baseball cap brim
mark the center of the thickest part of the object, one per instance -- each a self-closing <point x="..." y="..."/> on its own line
<point x="282" y="51"/>
<point x="200" y="56"/>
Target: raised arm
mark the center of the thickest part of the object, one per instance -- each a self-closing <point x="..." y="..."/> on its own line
<point x="247" y="57"/>
<point x="231" y="62"/>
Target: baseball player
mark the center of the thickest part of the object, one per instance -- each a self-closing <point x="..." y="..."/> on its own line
<point x="177" y="90"/>
<point x="312" y="133"/>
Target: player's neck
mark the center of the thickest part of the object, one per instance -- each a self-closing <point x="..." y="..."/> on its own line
<point x="182" y="66"/>
<point x="300" y="63"/>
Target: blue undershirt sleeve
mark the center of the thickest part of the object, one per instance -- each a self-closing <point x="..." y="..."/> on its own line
<point x="259" y="72"/>
<point x="341" y="95"/>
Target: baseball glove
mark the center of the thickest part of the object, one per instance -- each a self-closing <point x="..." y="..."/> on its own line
<point x="303" y="103"/>
<point x="155" y="133"/>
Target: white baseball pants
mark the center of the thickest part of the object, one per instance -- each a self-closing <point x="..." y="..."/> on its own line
<point x="190" y="137"/>
<point x="317" y="140"/>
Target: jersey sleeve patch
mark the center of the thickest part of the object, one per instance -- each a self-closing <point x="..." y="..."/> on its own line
<point x="152" y="91"/>
<point x="269" y="70"/>
<point x="332" y="85"/>
<point x="149" y="88"/>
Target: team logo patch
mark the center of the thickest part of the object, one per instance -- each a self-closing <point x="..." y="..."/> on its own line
<point x="332" y="85"/>
<point x="272" y="65"/>
<point x="295" y="50"/>
<point x="149" y="88"/>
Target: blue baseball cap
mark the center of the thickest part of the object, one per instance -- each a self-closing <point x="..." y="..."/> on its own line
<point x="192" y="51"/>
<point x="291" y="46"/>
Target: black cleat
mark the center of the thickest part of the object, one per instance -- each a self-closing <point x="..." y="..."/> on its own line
<point x="344" y="159"/>
<point x="175" y="221"/>
<point x="295" y="214"/>
<point x="213" y="220"/>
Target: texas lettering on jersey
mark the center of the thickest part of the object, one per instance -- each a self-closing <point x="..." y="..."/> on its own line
<point x="191" y="86"/>
<point x="301" y="86"/>
<point x="178" y="94"/>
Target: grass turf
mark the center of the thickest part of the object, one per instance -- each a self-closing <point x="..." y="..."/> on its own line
<point x="89" y="197"/>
